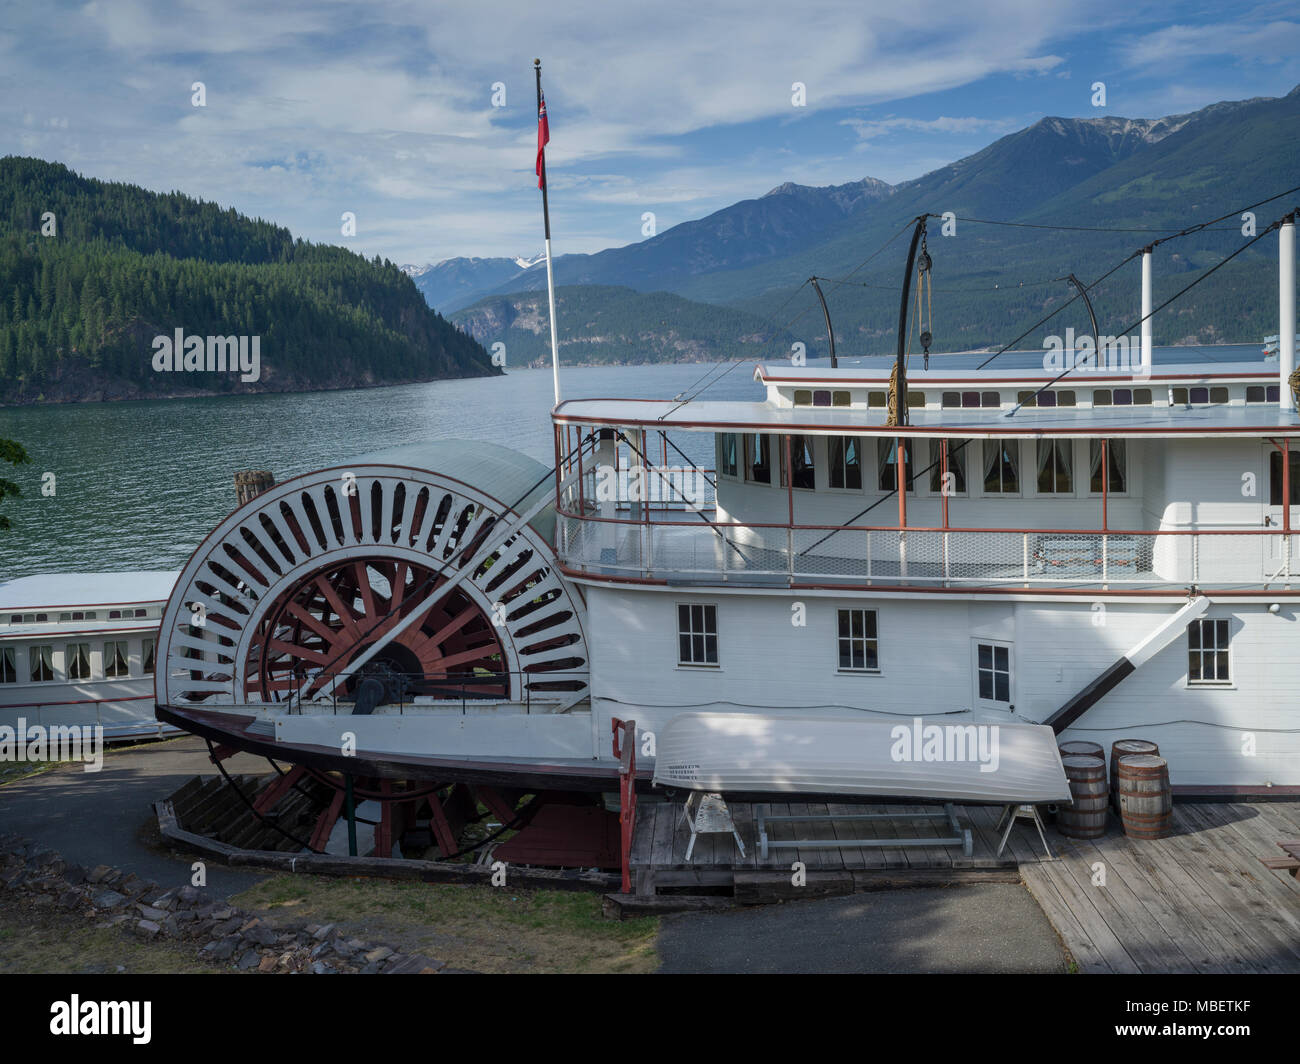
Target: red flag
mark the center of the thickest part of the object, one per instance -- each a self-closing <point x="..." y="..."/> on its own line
<point x="543" y="137"/>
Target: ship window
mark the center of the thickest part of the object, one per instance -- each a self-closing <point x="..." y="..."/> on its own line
<point x="1047" y="398"/>
<point x="877" y="400"/>
<point x="41" y="618"/>
<point x="1275" y="478"/>
<point x="993" y="671"/>
<point x="1123" y="396"/>
<point x="1179" y="396"/>
<point x="114" y="615"/>
<point x="41" y="662"/>
<point x="803" y="397"/>
<point x="1026" y="399"/>
<point x="92" y="615"/>
<point x="1218" y="395"/>
<point x="956" y="467"/>
<point x="845" y="461"/>
<point x="915" y="400"/>
<point x="65" y="616"/>
<point x="801" y="462"/>
<point x="8" y="670"/>
<point x="115" y="658"/>
<point x="1207" y="651"/>
<point x="1273" y="393"/>
<point x="697" y="635"/>
<point x="1255" y="393"/>
<point x="842" y="399"/>
<point x="142" y="613"/>
<point x="1200" y="396"/>
<point x="1001" y="467"/>
<point x="887" y="475"/>
<point x="1065" y="398"/>
<point x="758" y="459"/>
<point x="822" y="397"/>
<point x="1101" y="397"/>
<point x="1116" y="475"/>
<point x="1141" y="396"/>
<point x="78" y="661"/>
<point x="970" y="399"/>
<point x="858" y="644"/>
<point x="1055" y="467"/>
<point x="147" y="653"/>
<point x="991" y="399"/>
<point x="953" y="399"/>
<point x="728" y="458"/>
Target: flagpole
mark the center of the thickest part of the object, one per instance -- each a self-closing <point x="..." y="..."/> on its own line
<point x="546" y="216"/>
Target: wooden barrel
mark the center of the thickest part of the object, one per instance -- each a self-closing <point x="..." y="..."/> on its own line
<point x="1145" y="802"/>
<point x="1085" y="816"/>
<point x="1082" y="748"/>
<point x="1117" y="750"/>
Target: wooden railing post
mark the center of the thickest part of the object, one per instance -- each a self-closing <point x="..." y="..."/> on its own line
<point x="625" y="753"/>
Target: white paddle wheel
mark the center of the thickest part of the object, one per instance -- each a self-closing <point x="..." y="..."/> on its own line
<point x="399" y="567"/>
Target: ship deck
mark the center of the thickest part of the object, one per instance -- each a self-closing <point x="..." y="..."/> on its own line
<point x="1197" y="901"/>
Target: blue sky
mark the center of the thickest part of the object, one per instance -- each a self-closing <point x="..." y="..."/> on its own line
<point x="384" y="108"/>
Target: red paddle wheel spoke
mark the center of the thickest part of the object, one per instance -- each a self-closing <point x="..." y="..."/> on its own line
<point x="317" y="628"/>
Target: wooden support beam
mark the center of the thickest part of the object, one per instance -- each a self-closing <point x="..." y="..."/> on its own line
<point x="278" y="788"/>
<point x="326" y="821"/>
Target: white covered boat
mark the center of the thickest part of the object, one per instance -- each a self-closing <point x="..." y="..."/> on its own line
<point x="79" y="649"/>
<point x="748" y="753"/>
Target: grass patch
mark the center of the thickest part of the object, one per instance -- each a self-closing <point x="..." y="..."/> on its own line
<point x="482" y="928"/>
<point x="39" y="940"/>
<point x="13" y="771"/>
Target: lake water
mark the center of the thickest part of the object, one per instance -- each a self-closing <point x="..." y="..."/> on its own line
<point x="139" y="484"/>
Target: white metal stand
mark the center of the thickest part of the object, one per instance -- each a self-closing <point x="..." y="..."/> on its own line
<point x="1014" y="812"/>
<point x="707" y="813"/>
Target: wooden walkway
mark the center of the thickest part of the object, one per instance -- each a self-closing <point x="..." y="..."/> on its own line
<point x="1198" y="901"/>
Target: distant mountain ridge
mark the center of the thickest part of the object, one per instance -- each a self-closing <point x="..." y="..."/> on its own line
<point x="604" y="324"/>
<point x="1137" y="177"/>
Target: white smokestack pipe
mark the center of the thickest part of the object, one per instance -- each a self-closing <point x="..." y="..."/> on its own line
<point x="1286" y="313"/>
<point x="1146" y="313"/>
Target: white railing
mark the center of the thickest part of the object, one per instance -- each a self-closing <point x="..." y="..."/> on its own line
<point x="935" y="557"/>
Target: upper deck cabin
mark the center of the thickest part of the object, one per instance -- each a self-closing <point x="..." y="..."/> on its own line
<point x="78" y="628"/>
<point x="1169" y="480"/>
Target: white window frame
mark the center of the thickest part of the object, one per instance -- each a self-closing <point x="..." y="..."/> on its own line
<point x="1111" y="493"/>
<point x="862" y="469"/>
<point x="678" y="633"/>
<point x="1020" y="471"/>
<point x="68" y="660"/>
<point x="849" y="670"/>
<point x="938" y="471"/>
<point x="1200" y="622"/>
<point x="992" y="703"/>
<point x="1069" y="445"/>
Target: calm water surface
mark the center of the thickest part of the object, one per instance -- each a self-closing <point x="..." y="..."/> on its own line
<point x="139" y="484"/>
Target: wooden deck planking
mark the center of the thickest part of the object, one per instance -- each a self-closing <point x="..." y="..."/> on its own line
<point x="1274" y="900"/>
<point x="854" y="857"/>
<point x="1149" y="893"/>
<point x="1217" y="925"/>
<point x="1198" y="901"/>
<point x="1208" y="868"/>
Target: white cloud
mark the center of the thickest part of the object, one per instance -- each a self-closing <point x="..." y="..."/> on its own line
<point x="1271" y="42"/>
<point x="871" y="129"/>
<point x="320" y="106"/>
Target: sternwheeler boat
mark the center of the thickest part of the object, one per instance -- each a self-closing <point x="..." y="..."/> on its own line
<point x="1104" y="554"/>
